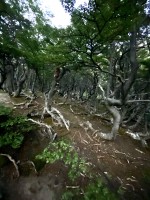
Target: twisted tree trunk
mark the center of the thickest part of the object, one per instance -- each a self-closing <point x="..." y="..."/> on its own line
<point x="20" y="83"/>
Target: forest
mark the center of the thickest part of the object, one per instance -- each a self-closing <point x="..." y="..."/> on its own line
<point x="75" y="101"/>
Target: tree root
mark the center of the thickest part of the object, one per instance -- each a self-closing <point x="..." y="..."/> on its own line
<point x="56" y="115"/>
<point x="47" y="129"/>
<point x="13" y="161"/>
<point x="139" y="136"/>
<point x="88" y="126"/>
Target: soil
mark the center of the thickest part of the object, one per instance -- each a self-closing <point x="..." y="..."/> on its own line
<point x="122" y="164"/>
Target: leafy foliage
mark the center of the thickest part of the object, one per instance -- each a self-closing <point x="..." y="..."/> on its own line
<point x="12" y="128"/>
<point x="63" y="151"/>
<point x="95" y="190"/>
<point x="98" y="190"/>
<point x="4" y="111"/>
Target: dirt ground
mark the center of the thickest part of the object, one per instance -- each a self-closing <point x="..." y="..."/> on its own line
<point x="123" y="164"/>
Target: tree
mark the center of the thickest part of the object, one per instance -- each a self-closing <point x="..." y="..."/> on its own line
<point x="22" y="43"/>
<point x="95" y="30"/>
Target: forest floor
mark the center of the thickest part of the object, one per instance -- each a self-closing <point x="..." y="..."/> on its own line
<point x="123" y="164"/>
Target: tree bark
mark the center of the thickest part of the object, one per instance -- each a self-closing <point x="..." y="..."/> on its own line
<point x="20" y="83"/>
<point x="134" y="66"/>
<point x="116" y="123"/>
<point x="10" y="79"/>
<point x="52" y="91"/>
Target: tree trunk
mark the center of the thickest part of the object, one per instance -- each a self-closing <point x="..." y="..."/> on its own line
<point x="10" y="79"/>
<point x="116" y="123"/>
<point x="20" y="83"/>
<point x="114" y="112"/>
<point x="49" y="95"/>
<point x="134" y="66"/>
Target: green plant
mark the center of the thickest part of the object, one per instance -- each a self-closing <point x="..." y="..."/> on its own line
<point x="68" y="195"/>
<point x="146" y="176"/>
<point x="5" y="111"/>
<point x="95" y="190"/>
<point x="98" y="190"/>
<point x="12" y="128"/>
<point x="63" y="151"/>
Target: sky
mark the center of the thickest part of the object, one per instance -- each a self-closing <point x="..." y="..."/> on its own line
<point x="61" y="18"/>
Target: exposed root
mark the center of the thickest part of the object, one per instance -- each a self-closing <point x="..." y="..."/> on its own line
<point x="135" y="136"/>
<point x="89" y="137"/>
<point x="56" y="115"/>
<point x="47" y="129"/>
<point x="26" y="103"/>
<point x="105" y="136"/>
<point x="66" y="122"/>
<point x="13" y="161"/>
<point x="139" y="136"/>
<point x="19" y="104"/>
<point x="88" y="126"/>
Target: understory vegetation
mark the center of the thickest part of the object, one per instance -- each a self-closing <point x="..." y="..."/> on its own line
<point x="77" y="168"/>
<point x="63" y="151"/>
<point x="12" y="128"/>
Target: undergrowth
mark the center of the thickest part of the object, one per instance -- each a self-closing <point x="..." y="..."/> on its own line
<point x="62" y="150"/>
<point x="12" y="128"/>
<point x="77" y="167"/>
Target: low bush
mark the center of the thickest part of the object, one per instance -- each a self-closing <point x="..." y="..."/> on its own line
<point x="62" y="150"/>
<point x="12" y="128"/>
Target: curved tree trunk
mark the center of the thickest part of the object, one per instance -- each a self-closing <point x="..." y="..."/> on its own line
<point x="49" y="95"/>
<point x="116" y="123"/>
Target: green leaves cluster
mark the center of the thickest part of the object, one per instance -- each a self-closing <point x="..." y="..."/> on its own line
<point x="95" y="190"/>
<point x="63" y="151"/>
<point x="13" y="139"/>
<point x="12" y="128"/>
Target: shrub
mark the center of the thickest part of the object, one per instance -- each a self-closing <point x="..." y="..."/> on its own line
<point x="63" y="151"/>
<point x="12" y="128"/>
<point x="95" y="190"/>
